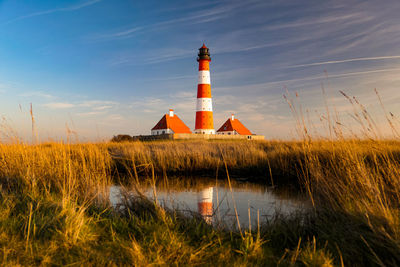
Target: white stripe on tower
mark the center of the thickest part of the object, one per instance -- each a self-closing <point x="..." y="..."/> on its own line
<point x="204" y="104"/>
<point x="204" y="77"/>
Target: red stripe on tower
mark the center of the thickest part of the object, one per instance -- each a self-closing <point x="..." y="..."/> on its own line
<point x="204" y="114"/>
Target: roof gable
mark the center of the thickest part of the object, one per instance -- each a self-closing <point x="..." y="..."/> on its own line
<point x="162" y="124"/>
<point x="234" y="125"/>
<point x="227" y="126"/>
<point x="174" y="123"/>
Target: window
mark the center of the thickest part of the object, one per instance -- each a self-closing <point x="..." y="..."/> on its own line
<point x="163" y="132"/>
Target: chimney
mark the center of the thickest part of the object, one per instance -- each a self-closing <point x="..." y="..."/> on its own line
<point x="232" y="117"/>
<point x="171" y="112"/>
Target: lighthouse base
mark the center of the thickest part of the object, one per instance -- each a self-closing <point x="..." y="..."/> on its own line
<point x="204" y="131"/>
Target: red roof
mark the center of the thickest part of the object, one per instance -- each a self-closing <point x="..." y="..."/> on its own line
<point x="234" y="125"/>
<point x="173" y="123"/>
<point x="204" y="46"/>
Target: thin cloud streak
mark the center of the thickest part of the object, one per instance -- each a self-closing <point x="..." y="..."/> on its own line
<point x="50" y="11"/>
<point x="93" y="103"/>
<point x="354" y="18"/>
<point x="204" y="16"/>
<point x="119" y="35"/>
<point x="319" y="77"/>
<point x="345" y="74"/>
<point x="37" y="94"/>
<point x="90" y="113"/>
<point x="59" y="105"/>
<point x="344" y="61"/>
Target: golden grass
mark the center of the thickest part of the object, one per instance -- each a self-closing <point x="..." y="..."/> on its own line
<point x="54" y="207"/>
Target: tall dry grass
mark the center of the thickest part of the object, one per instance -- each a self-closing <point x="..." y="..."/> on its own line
<point x="353" y="181"/>
<point x="54" y="211"/>
<point x="54" y="198"/>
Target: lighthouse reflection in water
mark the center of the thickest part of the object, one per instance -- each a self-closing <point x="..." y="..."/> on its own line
<point x="205" y="204"/>
<point x="219" y="203"/>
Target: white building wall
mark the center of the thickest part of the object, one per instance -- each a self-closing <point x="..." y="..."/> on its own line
<point x="161" y="131"/>
<point x="204" y="131"/>
<point x="228" y="132"/>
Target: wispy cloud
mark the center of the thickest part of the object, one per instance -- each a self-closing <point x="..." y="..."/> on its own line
<point x="114" y="117"/>
<point x="184" y="94"/>
<point x="90" y="113"/>
<point x="39" y="94"/>
<point x="150" y="104"/>
<point x="59" y="105"/>
<point x="117" y="35"/>
<point x="344" y="61"/>
<point x="169" y="55"/>
<point x="102" y="107"/>
<point x="353" y="18"/>
<point x="206" y="15"/>
<point x="362" y="72"/>
<point x="95" y="103"/>
<point x="265" y="85"/>
<point x="50" y="11"/>
<point x="157" y="56"/>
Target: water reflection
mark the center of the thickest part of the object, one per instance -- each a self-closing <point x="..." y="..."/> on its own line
<point x="205" y="204"/>
<point x="215" y="201"/>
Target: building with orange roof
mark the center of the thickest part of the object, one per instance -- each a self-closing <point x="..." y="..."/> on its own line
<point x="170" y="123"/>
<point x="233" y="127"/>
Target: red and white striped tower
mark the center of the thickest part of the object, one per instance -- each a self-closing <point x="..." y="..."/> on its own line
<point x="204" y="114"/>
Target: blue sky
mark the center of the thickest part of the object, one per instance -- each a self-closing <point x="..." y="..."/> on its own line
<point x="102" y="67"/>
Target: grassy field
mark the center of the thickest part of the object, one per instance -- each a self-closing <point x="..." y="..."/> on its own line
<point x="54" y="207"/>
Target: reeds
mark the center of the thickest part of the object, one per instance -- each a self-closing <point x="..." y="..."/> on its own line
<point x="54" y="210"/>
<point x="52" y="200"/>
<point x="353" y="182"/>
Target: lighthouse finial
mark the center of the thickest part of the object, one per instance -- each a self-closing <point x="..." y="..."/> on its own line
<point x="204" y="46"/>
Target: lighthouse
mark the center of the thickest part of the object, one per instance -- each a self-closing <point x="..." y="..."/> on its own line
<point x="204" y="113"/>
